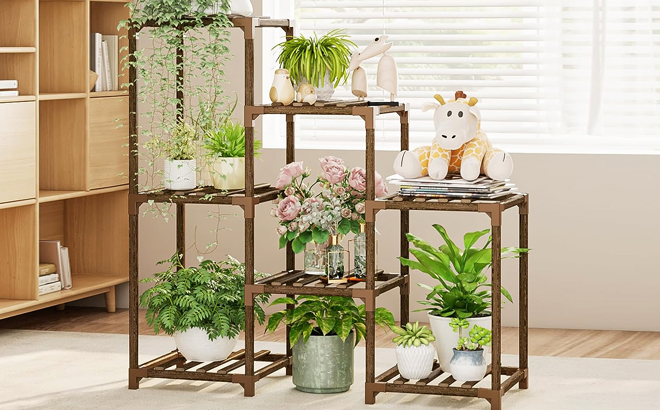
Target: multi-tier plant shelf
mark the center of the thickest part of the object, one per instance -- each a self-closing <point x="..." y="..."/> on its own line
<point x="295" y="282"/>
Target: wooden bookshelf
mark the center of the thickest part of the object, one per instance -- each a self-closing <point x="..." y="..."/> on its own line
<point x="62" y="175"/>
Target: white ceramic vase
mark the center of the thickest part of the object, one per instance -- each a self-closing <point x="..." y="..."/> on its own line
<point x="446" y="339"/>
<point x="323" y="93"/>
<point x="468" y="365"/>
<point x="228" y="173"/>
<point x="415" y="362"/>
<point x="180" y="174"/>
<point x="194" y="344"/>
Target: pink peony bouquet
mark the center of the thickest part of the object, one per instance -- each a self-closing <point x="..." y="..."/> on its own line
<point x="332" y="204"/>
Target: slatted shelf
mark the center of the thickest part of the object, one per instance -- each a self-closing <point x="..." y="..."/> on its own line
<point x="395" y="201"/>
<point x="205" y="195"/>
<point x="335" y="107"/>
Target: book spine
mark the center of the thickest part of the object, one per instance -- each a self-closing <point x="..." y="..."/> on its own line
<point x="98" y="61"/>
<point x="107" y="86"/>
<point x="50" y="278"/>
<point x="8" y="84"/>
<point x="66" y="269"/>
<point x="47" y="269"/>
<point x="8" y="93"/>
<point x="50" y="288"/>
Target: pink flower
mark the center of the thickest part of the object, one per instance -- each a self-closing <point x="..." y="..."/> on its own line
<point x="288" y="209"/>
<point x="334" y="173"/>
<point x="283" y="180"/>
<point x="289" y="191"/>
<point x="294" y="169"/>
<point x="359" y="207"/>
<point x="381" y="186"/>
<point x="293" y="226"/>
<point x="357" y="179"/>
<point x="327" y="161"/>
<point x="346" y="213"/>
<point x="340" y="190"/>
<point x="281" y="230"/>
<point x="355" y="216"/>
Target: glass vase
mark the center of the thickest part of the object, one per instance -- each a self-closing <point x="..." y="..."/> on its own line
<point x="360" y="254"/>
<point x="335" y="265"/>
<point x="315" y="258"/>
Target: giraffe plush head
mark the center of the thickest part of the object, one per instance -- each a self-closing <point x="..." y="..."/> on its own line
<point x="456" y="122"/>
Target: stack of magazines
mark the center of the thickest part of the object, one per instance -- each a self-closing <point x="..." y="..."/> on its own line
<point x="452" y="187"/>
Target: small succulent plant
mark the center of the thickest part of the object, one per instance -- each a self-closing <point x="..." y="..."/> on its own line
<point x="478" y="336"/>
<point x="412" y="335"/>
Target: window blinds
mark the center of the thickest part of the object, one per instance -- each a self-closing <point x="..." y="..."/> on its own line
<point x="539" y="68"/>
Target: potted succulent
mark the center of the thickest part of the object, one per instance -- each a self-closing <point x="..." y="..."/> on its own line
<point x="322" y="62"/>
<point x="324" y="332"/>
<point x="202" y="307"/>
<point x="462" y="291"/>
<point x="414" y="353"/>
<point x="468" y="363"/>
<point x="180" y="167"/>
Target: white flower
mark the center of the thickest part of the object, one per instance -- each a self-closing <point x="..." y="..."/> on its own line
<point x="273" y="212"/>
<point x="293" y="226"/>
<point x="281" y="230"/>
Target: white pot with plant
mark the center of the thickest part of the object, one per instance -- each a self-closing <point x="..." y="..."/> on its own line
<point x="204" y="316"/>
<point x="468" y="362"/>
<point x="462" y="291"/>
<point x="180" y="166"/>
<point x="414" y="352"/>
<point x="322" y="62"/>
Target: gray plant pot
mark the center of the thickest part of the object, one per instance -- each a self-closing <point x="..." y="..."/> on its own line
<point x="324" y="364"/>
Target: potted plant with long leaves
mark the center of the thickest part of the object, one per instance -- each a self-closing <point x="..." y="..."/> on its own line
<point x="324" y="332"/>
<point x="414" y="352"/>
<point x="468" y="363"/>
<point x="320" y="61"/>
<point x="202" y="307"/>
<point x="462" y="290"/>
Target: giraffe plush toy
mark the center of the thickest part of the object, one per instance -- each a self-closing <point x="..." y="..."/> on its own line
<point x="459" y="145"/>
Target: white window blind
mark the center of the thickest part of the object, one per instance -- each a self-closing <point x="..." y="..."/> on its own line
<point x="558" y="69"/>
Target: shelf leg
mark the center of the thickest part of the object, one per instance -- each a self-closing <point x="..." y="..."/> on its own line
<point x="133" y="323"/>
<point x="181" y="232"/>
<point x="290" y="255"/>
<point x="60" y="307"/>
<point x="110" y="301"/>
<point x="523" y="327"/>
<point x="497" y="303"/>
<point x="496" y="403"/>
<point x="405" y="271"/>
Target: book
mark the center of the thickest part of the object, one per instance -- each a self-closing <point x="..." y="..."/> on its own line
<point x="96" y="59"/>
<point x="65" y="274"/>
<point x="51" y="252"/>
<point x="47" y="268"/>
<point x="50" y="288"/>
<point x="107" y="81"/>
<point x="113" y="57"/>
<point x="50" y="278"/>
<point x="8" y="84"/>
<point x="8" y="93"/>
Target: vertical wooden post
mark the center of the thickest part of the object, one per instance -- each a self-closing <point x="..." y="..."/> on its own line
<point x="248" y="33"/>
<point x="110" y="301"/>
<point x="370" y="153"/>
<point x="404" y="225"/>
<point x="523" y="301"/>
<point x="496" y="365"/>
<point x="181" y="232"/>
<point x="249" y="387"/>
<point x="290" y="255"/>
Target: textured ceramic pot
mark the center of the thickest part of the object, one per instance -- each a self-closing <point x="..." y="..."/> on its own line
<point x="180" y="174"/>
<point x="415" y="362"/>
<point x="228" y="173"/>
<point x="468" y="365"/>
<point x="194" y="344"/>
<point x="323" y="93"/>
<point x="324" y="364"/>
<point x="446" y="339"/>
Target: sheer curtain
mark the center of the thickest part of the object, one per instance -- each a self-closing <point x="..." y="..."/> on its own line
<point x="545" y="72"/>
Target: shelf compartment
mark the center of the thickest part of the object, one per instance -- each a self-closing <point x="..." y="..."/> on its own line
<point x="54" y="196"/>
<point x="17" y="50"/>
<point x="21" y="67"/>
<point x="206" y="195"/>
<point x="108" y="141"/>
<point x="434" y="204"/>
<point x="18" y="160"/>
<point x="18" y="265"/>
<point x="299" y="283"/>
<point x="18" y="24"/>
<point x="174" y="365"/>
<point x="105" y="18"/>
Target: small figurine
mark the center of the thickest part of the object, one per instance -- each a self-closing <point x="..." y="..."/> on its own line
<point x="282" y="90"/>
<point x="387" y="77"/>
<point x="306" y="94"/>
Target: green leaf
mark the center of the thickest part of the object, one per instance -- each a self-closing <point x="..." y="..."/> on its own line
<point x="483" y="256"/>
<point x="291" y="235"/>
<point x="306" y="237"/>
<point x="425" y="246"/>
<point x="343" y="327"/>
<point x="355" y="227"/>
<point x="452" y="250"/>
<point x="471" y="238"/>
<point x="274" y="321"/>
<point x="344" y="226"/>
<point x="434" y="265"/>
<point x="283" y="300"/>
<point x="296" y="332"/>
<point x="326" y="324"/>
<point x="308" y="328"/>
<point x="283" y="241"/>
<point x="320" y="236"/>
<point x="297" y="245"/>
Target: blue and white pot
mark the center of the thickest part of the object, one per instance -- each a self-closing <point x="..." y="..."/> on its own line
<point x="468" y="365"/>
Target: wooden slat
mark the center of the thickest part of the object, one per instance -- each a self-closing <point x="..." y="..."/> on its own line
<point x="234" y="356"/>
<point x="186" y="366"/>
<point x="447" y="382"/>
<point x="275" y="276"/>
<point x="388" y="374"/>
<point x="241" y="362"/>
<point x="437" y="371"/>
<point x="168" y="363"/>
<point x="401" y="380"/>
<point x="273" y="367"/>
<point x="173" y="355"/>
<point x="306" y="281"/>
<point x="286" y="280"/>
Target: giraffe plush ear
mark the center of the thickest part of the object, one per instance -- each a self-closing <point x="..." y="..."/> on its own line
<point x="475" y="111"/>
<point x="428" y="106"/>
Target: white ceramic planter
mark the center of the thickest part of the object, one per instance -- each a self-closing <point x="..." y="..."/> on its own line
<point x="468" y="365"/>
<point x="324" y="93"/>
<point x="180" y="174"/>
<point x="415" y="362"/>
<point x="228" y="173"/>
<point x="195" y="345"/>
<point x="446" y="339"/>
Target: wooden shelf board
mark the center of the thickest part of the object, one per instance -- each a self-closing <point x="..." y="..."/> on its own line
<point x="83" y="286"/>
<point x="52" y="196"/>
<point x="20" y="98"/>
<point x="17" y="50"/>
<point x="16" y="204"/>
<point x="102" y="94"/>
<point x="61" y="96"/>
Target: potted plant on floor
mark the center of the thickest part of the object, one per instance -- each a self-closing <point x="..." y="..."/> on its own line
<point x="322" y="62"/>
<point x="202" y="307"/>
<point x="468" y="363"/>
<point x="324" y="332"/>
<point x="462" y="291"/>
<point x="414" y="353"/>
<point x="180" y="166"/>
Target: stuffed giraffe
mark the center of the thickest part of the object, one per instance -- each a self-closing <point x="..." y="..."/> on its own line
<point x="459" y="145"/>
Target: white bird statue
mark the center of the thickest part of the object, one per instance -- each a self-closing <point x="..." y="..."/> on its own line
<point x="282" y="90"/>
<point x="387" y="77"/>
<point x="306" y="94"/>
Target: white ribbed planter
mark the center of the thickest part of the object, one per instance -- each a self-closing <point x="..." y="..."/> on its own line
<point x="194" y="344"/>
<point x="323" y="93"/>
<point x="415" y="362"/>
<point x="228" y="173"/>
<point x="180" y="174"/>
<point x="446" y="339"/>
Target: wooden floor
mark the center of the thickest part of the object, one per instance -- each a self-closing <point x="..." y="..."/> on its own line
<point x="543" y="342"/>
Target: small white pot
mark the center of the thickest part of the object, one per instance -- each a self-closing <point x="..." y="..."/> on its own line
<point x="324" y="93"/>
<point x="228" y="173"/>
<point x="446" y="339"/>
<point x="468" y="365"/>
<point x="415" y="362"/>
<point x="194" y="344"/>
<point x="180" y="174"/>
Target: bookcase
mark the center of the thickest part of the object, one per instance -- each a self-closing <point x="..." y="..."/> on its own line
<point x="63" y="162"/>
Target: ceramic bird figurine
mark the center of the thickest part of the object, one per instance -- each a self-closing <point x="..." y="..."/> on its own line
<point x="306" y="94"/>
<point x="387" y="77"/>
<point x="282" y="90"/>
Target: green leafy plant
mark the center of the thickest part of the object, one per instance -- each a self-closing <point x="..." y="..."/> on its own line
<point x="210" y="297"/>
<point x="325" y="315"/>
<point x="479" y="337"/>
<point x="412" y="335"/>
<point x="460" y="292"/>
<point x="310" y="57"/>
<point x="181" y="146"/>
<point x="228" y="141"/>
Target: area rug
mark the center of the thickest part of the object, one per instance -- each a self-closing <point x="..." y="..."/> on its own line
<point x="83" y="371"/>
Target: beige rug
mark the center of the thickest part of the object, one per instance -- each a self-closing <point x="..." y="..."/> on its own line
<point x="76" y="371"/>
